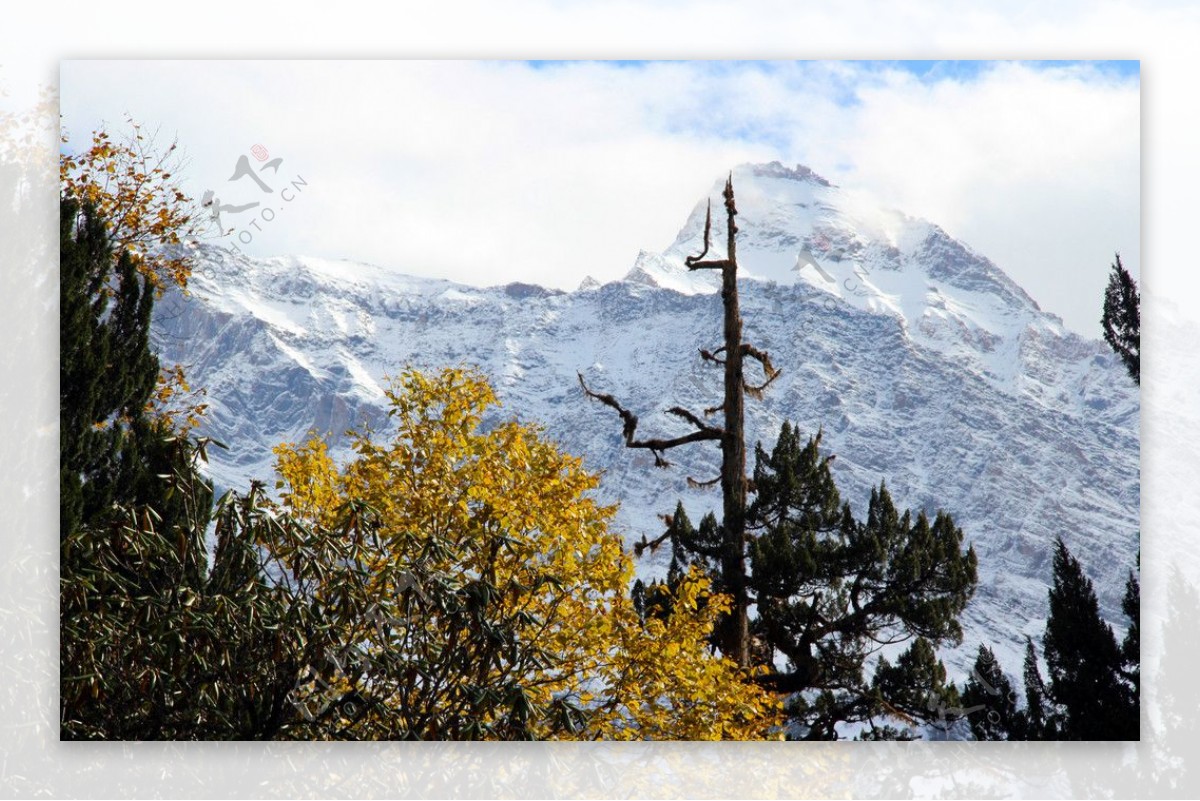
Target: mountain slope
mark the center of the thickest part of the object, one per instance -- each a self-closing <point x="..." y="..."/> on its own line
<point x="924" y="364"/>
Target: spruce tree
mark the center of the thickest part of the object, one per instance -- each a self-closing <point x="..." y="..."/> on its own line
<point x="915" y="688"/>
<point x="1131" y="646"/>
<point x="1039" y="721"/>
<point x="1084" y="661"/>
<point x="1122" y="320"/>
<point x="989" y="701"/>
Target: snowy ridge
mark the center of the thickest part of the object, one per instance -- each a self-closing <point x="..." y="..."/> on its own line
<point x="921" y="361"/>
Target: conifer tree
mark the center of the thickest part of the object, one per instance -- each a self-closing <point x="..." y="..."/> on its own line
<point x="915" y="688"/>
<point x="107" y="372"/>
<point x="831" y="591"/>
<point x="1039" y="722"/>
<point x="1122" y="320"/>
<point x="989" y="701"/>
<point x="155" y="643"/>
<point x="1131" y="646"/>
<point x="1084" y="661"/>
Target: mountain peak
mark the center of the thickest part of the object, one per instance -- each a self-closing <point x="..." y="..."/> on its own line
<point x="775" y="169"/>
<point x="920" y="360"/>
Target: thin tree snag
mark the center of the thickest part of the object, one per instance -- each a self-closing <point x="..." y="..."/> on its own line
<point x="733" y="635"/>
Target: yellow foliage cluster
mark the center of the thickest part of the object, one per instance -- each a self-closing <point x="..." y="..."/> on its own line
<point x="131" y="182"/>
<point x="175" y="402"/>
<point x="504" y="506"/>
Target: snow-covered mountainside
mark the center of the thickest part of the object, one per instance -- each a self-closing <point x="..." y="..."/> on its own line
<point x="924" y="364"/>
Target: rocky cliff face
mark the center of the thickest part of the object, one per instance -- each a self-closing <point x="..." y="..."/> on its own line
<point x="922" y="362"/>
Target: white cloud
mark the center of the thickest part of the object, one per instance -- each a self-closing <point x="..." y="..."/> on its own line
<point x="487" y="172"/>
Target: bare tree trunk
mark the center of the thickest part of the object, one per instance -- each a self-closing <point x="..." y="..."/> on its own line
<point x="733" y="452"/>
<point x="733" y="637"/>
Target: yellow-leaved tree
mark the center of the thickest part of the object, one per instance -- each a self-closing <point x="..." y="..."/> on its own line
<point x="482" y="595"/>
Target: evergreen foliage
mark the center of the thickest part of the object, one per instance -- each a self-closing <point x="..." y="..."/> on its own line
<point x="830" y="591"/>
<point x="989" y="701"/>
<point x="155" y="643"/>
<point x="107" y="373"/>
<point x="1039" y="719"/>
<point x="1084" y="662"/>
<point x="1131" y="646"/>
<point x="915" y="688"/>
<point x="1122" y="320"/>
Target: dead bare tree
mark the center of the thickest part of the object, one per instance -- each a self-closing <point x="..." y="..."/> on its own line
<point x="734" y="638"/>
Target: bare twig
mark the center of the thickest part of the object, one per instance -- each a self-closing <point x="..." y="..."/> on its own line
<point x="679" y="411"/>
<point x="770" y="370"/>
<point x="694" y="262"/>
<point x="690" y="260"/>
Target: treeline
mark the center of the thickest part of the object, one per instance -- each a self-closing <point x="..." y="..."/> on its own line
<point x="1093" y="684"/>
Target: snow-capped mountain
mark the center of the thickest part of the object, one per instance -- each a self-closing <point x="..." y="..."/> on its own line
<point x="922" y="362"/>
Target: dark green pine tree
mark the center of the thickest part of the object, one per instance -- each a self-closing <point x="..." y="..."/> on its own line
<point x="153" y="643"/>
<point x="831" y="591"/>
<point x="1131" y="646"/>
<point x="1038" y="721"/>
<point x="638" y="596"/>
<point x="107" y="372"/>
<point x="989" y="701"/>
<point x="915" y="688"/>
<point x="1122" y="320"/>
<point x="1084" y="661"/>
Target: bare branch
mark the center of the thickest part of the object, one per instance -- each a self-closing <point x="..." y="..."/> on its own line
<point x="679" y="411"/>
<point x="690" y="260"/>
<point x="717" y="264"/>
<point x="629" y="417"/>
<point x="769" y="369"/>
<point x="640" y="547"/>
<point x="712" y="356"/>
<point x="655" y="446"/>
